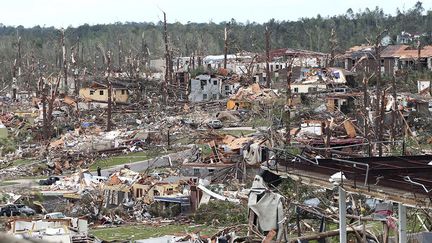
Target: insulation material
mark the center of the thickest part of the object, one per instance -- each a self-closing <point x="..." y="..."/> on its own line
<point x="256" y="88"/>
<point x="350" y="130"/>
<point x="236" y="143"/>
<point x="330" y="105"/>
<point x="217" y="196"/>
<point x="253" y="156"/>
<point x="69" y="100"/>
<point x="310" y="128"/>
<point x="268" y="208"/>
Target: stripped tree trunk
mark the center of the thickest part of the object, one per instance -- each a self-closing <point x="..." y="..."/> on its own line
<point x="16" y="70"/>
<point x="333" y="46"/>
<point x="120" y="55"/>
<point x="64" y="61"/>
<point x="109" y="123"/>
<point x="379" y="119"/>
<point x="288" y="105"/>
<point x="225" y="45"/>
<point x="366" y="113"/>
<point x="167" y="63"/>
<point x="267" y="45"/>
<point x="53" y="96"/>
<point x="44" y="109"/>
<point x="395" y="108"/>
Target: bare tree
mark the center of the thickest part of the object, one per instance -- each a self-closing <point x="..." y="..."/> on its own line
<point x="16" y="69"/>
<point x="45" y="86"/>
<point x="101" y="49"/>
<point x="108" y="80"/>
<point x="419" y="47"/>
<point x="74" y="61"/>
<point x="120" y="55"/>
<point x="64" y="60"/>
<point x="249" y="69"/>
<point x="333" y="46"/>
<point x="288" y="105"/>
<point x="366" y="109"/>
<point x="144" y="51"/>
<point x="267" y="46"/>
<point x="167" y="63"/>
<point x="226" y="44"/>
<point x="379" y="110"/>
<point x="43" y="91"/>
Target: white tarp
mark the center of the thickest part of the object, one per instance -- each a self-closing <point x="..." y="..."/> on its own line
<point x="217" y="196"/>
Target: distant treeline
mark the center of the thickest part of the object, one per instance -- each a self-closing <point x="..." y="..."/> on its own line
<point x="41" y="45"/>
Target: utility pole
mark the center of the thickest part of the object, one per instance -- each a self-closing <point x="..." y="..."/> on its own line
<point x="267" y="46"/>
<point x="225" y="44"/>
<point x="402" y="223"/>
<point x="109" y="122"/>
<point x="342" y="215"/>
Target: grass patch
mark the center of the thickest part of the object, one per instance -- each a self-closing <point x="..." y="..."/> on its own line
<point x="35" y="177"/>
<point x="206" y="150"/>
<point x="183" y="141"/>
<point x="221" y="213"/>
<point x="259" y="122"/>
<point x="137" y="232"/>
<point x="126" y="159"/>
<point x="22" y="162"/>
<point x="8" y="183"/>
<point x="237" y="133"/>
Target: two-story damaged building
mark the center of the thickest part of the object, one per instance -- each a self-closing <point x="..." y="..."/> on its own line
<point x="280" y="59"/>
<point x="99" y="92"/>
<point x="360" y="59"/>
<point x="312" y="80"/>
<point x="397" y="57"/>
<point x="363" y="59"/>
<point x="206" y="87"/>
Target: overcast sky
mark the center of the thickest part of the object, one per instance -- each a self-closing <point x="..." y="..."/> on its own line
<point x="64" y="13"/>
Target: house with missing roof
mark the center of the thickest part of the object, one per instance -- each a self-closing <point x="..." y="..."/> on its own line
<point x="393" y="58"/>
<point x="99" y="92"/>
<point x="397" y="57"/>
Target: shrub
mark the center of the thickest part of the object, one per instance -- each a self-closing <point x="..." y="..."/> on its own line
<point x="221" y="213"/>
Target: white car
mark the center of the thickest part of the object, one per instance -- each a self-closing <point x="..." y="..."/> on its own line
<point x="215" y="124"/>
<point x="55" y="215"/>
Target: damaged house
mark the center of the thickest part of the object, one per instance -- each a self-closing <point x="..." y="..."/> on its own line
<point x="359" y="59"/>
<point x="236" y="63"/>
<point x="118" y="188"/>
<point x="147" y="188"/>
<point x="399" y="57"/>
<point x="312" y="80"/>
<point x="282" y="58"/>
<point x="207" y="87"/>
<point x="246" y="97"/>
<point x="393" y="58"/>
<point x="99" y="92"/>
<point x="299" y="58"/>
